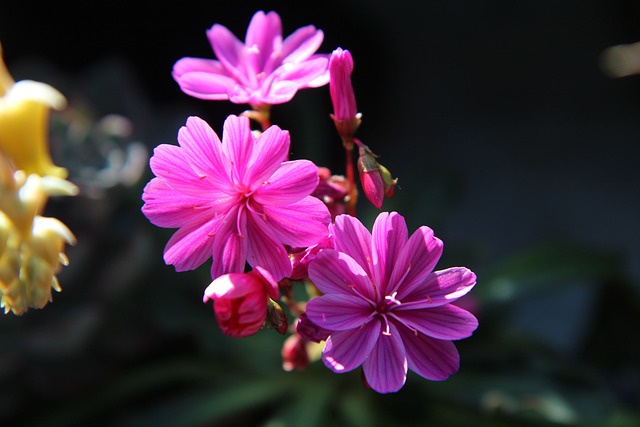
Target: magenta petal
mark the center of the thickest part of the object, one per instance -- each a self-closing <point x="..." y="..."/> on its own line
<point x="416" y="261"/>
<point x="198" y="65"/>
<point x="190" y="247"/>
<point x="428" y="357"/>
<point x="346" y="350"/>
<point x="237" y="144"/>
<point x="165" y="207"/>
<point x="335" y="272"/>
<point x="301" y="44"/>
<point x="389" y="236"/>
<point x="441" y="287"/>
<point x="290" y="183"/>
<point x="270" y="150"/>
<point x="229" y="50"/>
<point x="339" y="312"/>
<point x="203" y="78"/>
<point x="264" y="250"/>
<point x="263" y="32"/>
<point x="203" y="151"/>
<point x="303" y="72"/>
<point x="278" y="92"/>
<point x="300" y="224"/>
<point x="386" y="367"/>
<point x="352" y="238"/>
<point x="229" y="251"/>
<point x="446" y="322"/>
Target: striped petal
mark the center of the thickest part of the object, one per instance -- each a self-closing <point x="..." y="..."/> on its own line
<point x="386" y="367"/>
<point x="339" y="312"/>
<point x="344" y="351"/>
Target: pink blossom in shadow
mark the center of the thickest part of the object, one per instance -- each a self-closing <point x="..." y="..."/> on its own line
<point x="387" y="309"/>
<point x="264" y="70"/>
<point x="237" y="200"/>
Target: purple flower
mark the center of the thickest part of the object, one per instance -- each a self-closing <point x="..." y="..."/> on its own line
<point x="388" y="310"/>
<point x="236" y="201"/>
<point x="263" y="70"/>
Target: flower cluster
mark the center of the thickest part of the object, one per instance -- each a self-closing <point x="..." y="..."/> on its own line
<point x="270" y="224"/>
<point x="31" y="246"/>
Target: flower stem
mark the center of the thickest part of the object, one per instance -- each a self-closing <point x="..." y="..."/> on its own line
<point x="350" y="174"/>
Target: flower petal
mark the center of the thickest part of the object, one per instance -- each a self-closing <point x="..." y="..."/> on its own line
<point x="386" y="367"/>
<point x="415" y="262"/>
<point x="290" y="183"/>
<point x="346" y="350"/>
<point x="440" y="287"/>
<point x="203" y="78"/>
<point x="339" y="312"/>
<point x="352" y="238"/>
<point x="264" y="250"/>
<point x="335" y="272"/>
<point x="265" y="33"/>
<point x="300" y="224"/>
<point x="446" y="322"/>
<point x="237" y="143"/>
<point x="168" y="208"/>
<point x="229" y="50"/>
<point x="301" y="44"/>
<point x="228" y="246"/>
<point x="301" y="73"/>
<point x="190" y="247"/>
<point x="428" y="357"/>
<point x="203" y="151"/>
<point x="270" y="149"/>
<point x="389" y="236"/>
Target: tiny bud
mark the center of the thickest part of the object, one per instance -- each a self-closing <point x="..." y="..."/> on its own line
<point x="294" y="353"/>
<point x="310" y="331"/>
<point x="370" y="178"/>
<point x="276" y="317"/>
<point x="389" y="183"/>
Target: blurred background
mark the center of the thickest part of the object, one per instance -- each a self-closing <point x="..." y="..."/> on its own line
<point x="510" y="138"/>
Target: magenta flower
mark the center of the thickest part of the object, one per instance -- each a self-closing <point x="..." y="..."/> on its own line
<point x="263" y="70"/>
<point x="388" y="310"/>
<point x="236" y="201"/>
<point x="345" y="112"/>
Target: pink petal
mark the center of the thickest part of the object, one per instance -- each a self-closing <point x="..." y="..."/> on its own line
<point x="339" y="312"/>
<point x="229" y="50"/>
<point x="352" y="238"/>
<point x="190" y="247"/>
<point x="302" y="73"/>
<point x="203" y="78"/>
<point x="169" y="164"/>
<point x="228" y="246"/>
<point x="264" y="32"/>
<point x="389" y="236"/>
<point x="278" y="92"/>
<point x="415" y="262"/>
<point x="428" y="357"/>
<point x="300" y="224"/>
<point x="264" y="250"/>
<point x="346" y="350"/>
<point x="440" y="287"/>
<point x="203" y="151"/>
<point x="237" y="143"/>
<point x="335" y="272"/>
<point x="165" y="207"/>
<point x="291" y="182"/>
<point x="269" y="151"/>
<point x="301" y="44"/>
<point x="446" y="322"/>
<point x="386" y="367"/>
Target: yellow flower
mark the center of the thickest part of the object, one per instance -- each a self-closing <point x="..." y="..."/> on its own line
<point x="31" y="246"/>
<point x="24" y="123"/>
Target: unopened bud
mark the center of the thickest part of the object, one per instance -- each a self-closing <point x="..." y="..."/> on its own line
<point x="389" y="182"/>
<point x="294" y="353"/>
<point x="276" y="317"/>
<point x="370" y="178"/>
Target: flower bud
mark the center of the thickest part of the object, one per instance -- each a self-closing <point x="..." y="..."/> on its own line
<point x="389" y="183"/>
<point x="345" y="112"/>
<point x="276" y="317"/>
<point x="294" y="353"/>
<point x="310" y="331"/>
<point x="240" y="301"/>
<point x="370" y="178"/>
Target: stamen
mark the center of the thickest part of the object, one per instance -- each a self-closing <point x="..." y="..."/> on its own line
<point x="387" y="330"/>
<point x="392" y="299"/>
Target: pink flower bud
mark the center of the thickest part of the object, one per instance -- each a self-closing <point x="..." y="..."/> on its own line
<point x="332" y="190"/>
<point x="240" y="301"/>
<point x="294" y="353"/>
<point x="345" y="112"/>
<point x="370" y="178"/>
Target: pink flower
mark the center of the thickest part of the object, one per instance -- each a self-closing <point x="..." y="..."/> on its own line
<point x="240" y="301"/>
<point x="263" y="70"/>
<point x="388" y="310"/>
<point x="236" y="201"/>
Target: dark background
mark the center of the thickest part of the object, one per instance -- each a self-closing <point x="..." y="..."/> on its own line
<point x="507" y="138"/>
